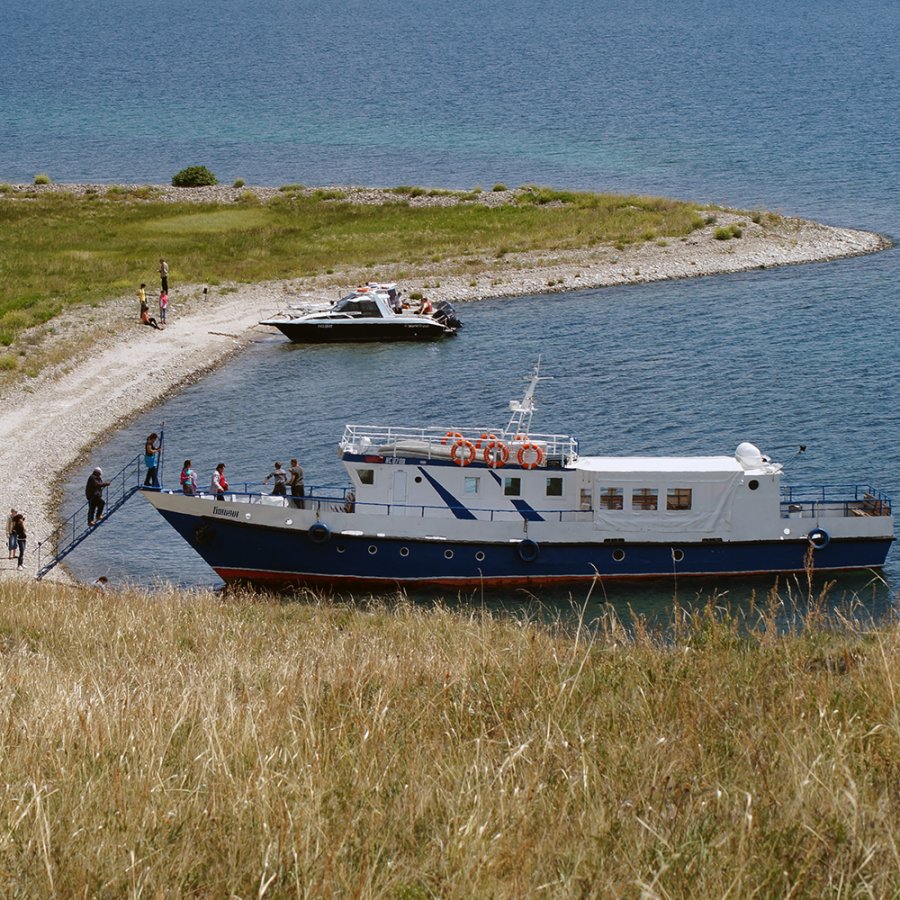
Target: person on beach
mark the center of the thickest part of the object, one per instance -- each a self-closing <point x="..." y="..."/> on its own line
<point x="188" y="479"/>
<point x="164" y="275"/>
<point x="93" y="492"/>
<point x="296" y="483"/>
<point x="163" y="306"/>
<point x="218" y="485"/>
<point x="11" y="539"/>
<point x="21" y="536"/>
<point x="279" y="488"/>
<point x="147" y="319"/>
<point x="142" y="295"/>
<point x="152" y="446"/>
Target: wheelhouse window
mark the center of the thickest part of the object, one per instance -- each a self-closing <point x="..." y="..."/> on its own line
<point x="554" y="487"/>
<point x="472" y="484"/>
<point x="645" y="499"/>
<point x="611" y="498"/>
<point x="679" y="498"/>
<point x="512" y="487"/>
<point x="366" y="476"/>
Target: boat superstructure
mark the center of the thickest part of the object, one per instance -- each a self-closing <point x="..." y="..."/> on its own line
<point x="371" y="313"/>
<point x="471" y="507"/>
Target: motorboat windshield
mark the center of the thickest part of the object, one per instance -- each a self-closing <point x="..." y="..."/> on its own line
<point x="359" y="306"/>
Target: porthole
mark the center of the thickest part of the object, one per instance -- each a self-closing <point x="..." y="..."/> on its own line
<point x="479" y="556"/>
<point x="372" y="549"/>
<point x="753" y="484"/>
<point x="418" y="479"/>
<point x="618" y="555"/>
<point x="340" y="548"/>
<point x="678" y="555"/>
<point x="404" y="551"/>
<point x="288" y="521"/>
<point x="448" y="554"/>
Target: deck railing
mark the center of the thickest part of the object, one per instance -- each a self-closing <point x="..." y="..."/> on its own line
<point x="812" y="501"/>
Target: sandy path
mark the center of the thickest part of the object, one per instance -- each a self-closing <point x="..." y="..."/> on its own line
<point x="55" y="420"/>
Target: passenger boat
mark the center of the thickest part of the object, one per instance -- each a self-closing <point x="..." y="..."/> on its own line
<point x="482" y="507"/>
<point x="370" y="313"/>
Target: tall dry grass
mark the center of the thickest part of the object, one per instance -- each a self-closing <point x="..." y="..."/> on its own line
<point x="182" y="744"/>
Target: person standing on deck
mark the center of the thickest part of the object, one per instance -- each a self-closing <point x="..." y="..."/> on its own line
<point x="164" y="275"/>
<point x="296" y="483"/>
<point x="279" y="488"/>
<point x="152" y="447"/>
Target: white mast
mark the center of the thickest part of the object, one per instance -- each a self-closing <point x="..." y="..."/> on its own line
<point x="522" y="410"/>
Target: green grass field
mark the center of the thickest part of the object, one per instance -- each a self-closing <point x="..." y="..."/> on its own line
<point x="57" y="250"/>
<point x="192" y="745"/>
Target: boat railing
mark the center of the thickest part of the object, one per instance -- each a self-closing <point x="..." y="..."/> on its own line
<point x="812" y="501"/>
<point x="328" y="500"/>
<point x="437" y="442"/>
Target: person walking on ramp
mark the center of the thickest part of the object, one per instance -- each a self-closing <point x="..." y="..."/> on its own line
<point x="93" y="491"/>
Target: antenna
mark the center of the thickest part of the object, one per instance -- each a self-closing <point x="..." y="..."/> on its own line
<point x="522" y="410"/>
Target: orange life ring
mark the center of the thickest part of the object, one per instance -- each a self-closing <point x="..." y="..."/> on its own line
<point x="454" y="435"/>
<point x="485" y="437"/>
<point x="496" y="454"/>
<point x="466" y="456"/>
<point x="538" y="456"/>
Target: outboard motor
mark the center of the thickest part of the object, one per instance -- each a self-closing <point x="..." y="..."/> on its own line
<point x="446" y="314"/>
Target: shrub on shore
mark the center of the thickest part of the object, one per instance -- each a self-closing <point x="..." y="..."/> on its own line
<point x="194" y="176"/>
<point x="191" y="744"/>
<point x="42" y="178"/>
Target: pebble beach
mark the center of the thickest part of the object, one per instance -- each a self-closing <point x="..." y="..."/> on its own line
<point x="52" y="422"/>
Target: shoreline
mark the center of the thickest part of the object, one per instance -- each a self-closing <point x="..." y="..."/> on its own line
<point x="53" y="421"/>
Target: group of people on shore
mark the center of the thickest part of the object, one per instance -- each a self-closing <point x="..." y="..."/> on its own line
<point x="146" y="318"/>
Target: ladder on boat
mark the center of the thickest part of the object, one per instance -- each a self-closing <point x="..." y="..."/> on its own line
<point x="64" y="539"/>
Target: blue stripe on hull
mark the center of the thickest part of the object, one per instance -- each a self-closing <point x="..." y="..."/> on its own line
<point x="279" y="556"/>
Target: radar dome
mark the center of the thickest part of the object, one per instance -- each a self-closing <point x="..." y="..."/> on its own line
<point x="749" y="456"/>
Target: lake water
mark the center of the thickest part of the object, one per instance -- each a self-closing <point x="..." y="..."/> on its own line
<point x="784" y="106"/>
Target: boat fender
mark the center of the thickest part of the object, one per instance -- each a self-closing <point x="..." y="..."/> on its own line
<point x="319" y="533"/>
<point x="819" y="538"/>
<point x="528" y="550"/>
<point x="462" y="452"/>
<point x="534" y="452"/>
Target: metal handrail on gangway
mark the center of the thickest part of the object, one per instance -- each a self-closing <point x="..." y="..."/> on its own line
<point x="65" y="538"/>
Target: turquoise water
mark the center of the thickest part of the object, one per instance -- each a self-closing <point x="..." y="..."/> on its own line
<point x="793" y="107"/>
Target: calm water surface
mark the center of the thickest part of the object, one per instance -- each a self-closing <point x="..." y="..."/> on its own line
<point x="793" y="107"/>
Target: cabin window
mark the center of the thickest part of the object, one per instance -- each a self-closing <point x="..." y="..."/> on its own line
<point x="512" y="487"/>
<point x="645" y="499"/>
<point x="611" y="498"/>
<point x="471" y="484"/>
<point x="585" y="498"/>
<point x="554" y="487"/>
<point x="366" y="476"/>
<point x="678" y="498"/>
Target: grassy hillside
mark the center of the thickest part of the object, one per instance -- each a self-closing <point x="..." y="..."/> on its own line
<point x="192" y="745"/>
<point x="59" y="250"/>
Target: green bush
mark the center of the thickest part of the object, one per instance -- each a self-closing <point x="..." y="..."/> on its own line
<point x="499" y="186"/>
<point x="239" y="183"/>
<point x="194" y="176"/>
<point x="727" y="232"/>
<point x="42" y="178"/>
